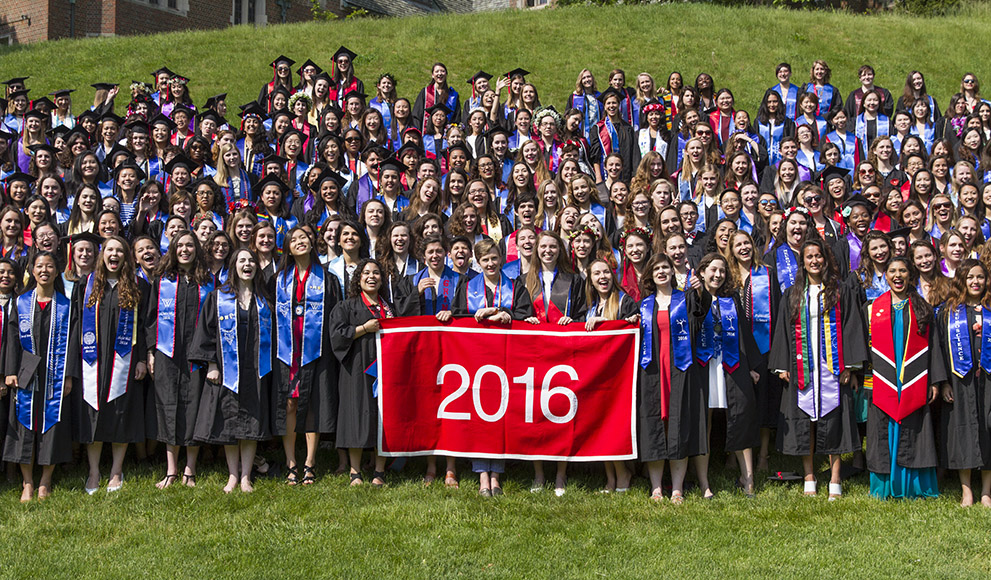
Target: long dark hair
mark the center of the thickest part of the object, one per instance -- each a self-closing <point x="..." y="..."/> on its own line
<point x="354" y="284"/>
<point x="259" y="288"/>
<point x="288" y="261"/>
<point x="830" y="279"/>
<point x="127" y="284"/>
<point x="956" y="292"/>
<point x="32" y="283"/>
<point x="923" y="310"/>
<point x="168" y="266"/>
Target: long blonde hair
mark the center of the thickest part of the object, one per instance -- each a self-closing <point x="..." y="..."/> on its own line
<point x="610" y="311"/>
<point x="223" y="175"/>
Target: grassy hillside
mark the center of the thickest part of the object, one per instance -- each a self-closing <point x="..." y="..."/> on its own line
<point x="738" y="46"/>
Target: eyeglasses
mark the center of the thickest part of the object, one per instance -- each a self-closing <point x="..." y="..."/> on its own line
<point x="641" y="204"/>
<point x="867" y="172"/>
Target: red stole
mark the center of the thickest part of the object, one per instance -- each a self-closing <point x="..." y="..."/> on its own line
<point x="914" y="363"/>
<point x="549" y="313"/>
<point x="664" y="359"/>
<point x="604" y="138"/>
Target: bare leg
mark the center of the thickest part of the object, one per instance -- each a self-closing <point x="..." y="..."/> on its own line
<point x="289" y="439"/>
<point x="379" y="466"/>
<point x="192" y="453"/>
<point x="431" y="474"/>
<point x="45" y="485"/>
<point x="834" y="469"/>
<point x="93" y="458"/>
<point x="451" y="472"/>
<point x="27" y="488"/>
<point x="701" y="463"/>
<point x="247" y="449"/>
<point x="119" y="450"/>
<point x="171" y="466"/>
<point x="561" y="479"/>
<point x="656" y="471"/>
<point x="610" y="475"/>
<point x="746" y="460"/>
<point x="679" y="468"/>
<point x="623" y="475"/>
<point x="484" y="482"/>
<point x="355" y="455"/>
<point x="494" y="479"/>
<point x="342" y="461"/>
<point x="986" y="488"/>
<point x="967" y="493"/>
<point x="233" y="467"/>
<point x="538" y="474"/>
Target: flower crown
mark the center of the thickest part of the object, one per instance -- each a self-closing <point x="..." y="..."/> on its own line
<point x="239" y="204"/>
<point x="145" y="88"/>
<point x="300" y="96"/>
<point x="796" y="209"/>
<point x="586" y="230"/>
<point x="543" y="112"/>
<point x="637" y="230"/>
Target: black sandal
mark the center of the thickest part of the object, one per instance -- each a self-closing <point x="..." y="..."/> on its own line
<point x="309" y="475"/>
<point x="378" y="475"/>
<point x="292" y="476"/>
<point x="187" y="478"/>
<point x="356" y="476"/>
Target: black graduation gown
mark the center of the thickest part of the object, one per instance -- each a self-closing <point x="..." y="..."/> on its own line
<point x="226" y="417"/>
<point x="964" y="436"/>
<point x="742" y="420"/>
<point x="316" y="410"/>
<point x="686" y="431"/>
<point x="836" y="432"/>
<point x="357" y="419"/>
<point x="768" y="388"/>
<point x="176" y="387"/>
<point x="5" y="399"/>
<point x="566" y="289"/>
<point x="20" y="444"/>
<point x="419" y="107"/>
<point x="627" y="148"/>
<point x="917" y="434"/>
<point x="522" y="307"/>
<point x="120" y="420"/>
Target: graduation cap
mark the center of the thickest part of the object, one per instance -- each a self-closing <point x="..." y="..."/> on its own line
<point x="180" y="160"/>
<point x="20" y="93"/>
<point x="6" y="135"/>
<point x="43" y="147"/>
<point x="115" y="152"/>
<point x="110" y="116"/>
<point x="355" y="94"/>
<point x="77" y="130"/>
<point x="861" y="201"/>
<point x="274" y="157"/>
<point x="161" y="119"/>
<point x="343" y="50"/>
<point x="103" y="86"/>
<point x="165" y="70"/>
<point x="832" y="172"/>
<point x="373" y="147"/>
<point x="439" y="107"/>
<point x="458" y="147"/>
<point x="62" y="93"/>
<point x="130" y="163"/>
<point x="324" y="175"/>
<point x="18" y="176"/>
<point x="308" y="62"/>
<point x="15" y="81"/>
<point x="611" y="91"/>
<point x="282" y="58"/>
<point x="137" y="126"/>
<point x="213" y="101"/>
<point x="180" y="108"/>
<point x="495" y="130"/>
<point x="408" y="146"/>
<point x="44" y="103"/>
<point x="520" y="72"/>
<point x="208" y="114"/>
<point x="900" y="233"/>
<point x="324" y="76"/>
<point x="57" y="133"/>
<point x="479" y="75"/>
<point x="261" y="184"/>
<point x="84" y="237"/>
<point x="393" y="163"/>
<point x="87" y="114"/>
<point x="38" y="114"/>
<point x="252" y="108"/>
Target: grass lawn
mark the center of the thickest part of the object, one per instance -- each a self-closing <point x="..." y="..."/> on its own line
<point x="407" y="531"/>
<point x="739" y="46"/>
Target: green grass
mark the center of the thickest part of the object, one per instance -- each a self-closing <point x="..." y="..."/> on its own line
<point x="738" y="46"/>
<point x="407" y="531"/>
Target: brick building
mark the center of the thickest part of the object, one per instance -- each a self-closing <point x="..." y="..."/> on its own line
<point x="23" y="21"/>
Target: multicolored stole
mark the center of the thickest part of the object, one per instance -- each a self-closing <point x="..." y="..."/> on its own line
<point x="727" y="342"/>
<point x="760" y="307"/>
<point x="680" y="333"/>
<point x="168" y="294"/>
<point x="830" y="349"/>
<point x="608" y="137"/>
<point x="227" y="312"/>
<point x="124" y="341"/>
<point x="787" y="266"/>
<point x="502" y="296"/>
<point x="543" y="306"/>
<point x="311" y="310"/>
<point x="906" y="390"/>
<point x="58" y="342"/>
<point x="441" y="299"/>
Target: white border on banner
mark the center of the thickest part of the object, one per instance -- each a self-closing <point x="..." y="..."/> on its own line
<point x="524" y="457"/>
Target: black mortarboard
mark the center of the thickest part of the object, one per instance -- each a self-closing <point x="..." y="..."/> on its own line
<point x="861" y="201"/>
<point x="208" y="114"/>
<point x="290" y="132"/>
<point x="408" y="146"/>
<point x="344" y="50"/>
<point x="273" y="157"/>
<point x="137" y="126"/>
<point x="458" y="147"/>
<point x="87" y="114"/>
<point x="324" y="176"/>
<point x="18" y="176"/>
<point x="495" y="130"/>
<point x="43" y="147"/>
<point x="900" y="233"/>
<point x="832" y="172"/>
<point x="269" y="179"/>
<point x="58" y="132"/>
<point x="165" y="70"/>
<point x="36" y="113"/>
<point x="282" y="58"/>
<point x="479" y="75"/>
<point x="253" y="108"/>
<point x="357" y="94"/>
<point x="323" y="75"/>
<point x="180" y="160"/>
<point x="308" y="62"/>
<point x="15" y="81"/>
<point x="103" y="86"/>
<point x="110" y="116"/>
<point x="439" y="107"/>
<point x="211" y="103"/>
<point x="517" y="72"/>
<point x="181" y="108"/>
<point x="43" y="103"/>
<point x="129" y="163"/>
<point x="611" y="91"/>
<point x="393" y="163"/>
<point x="62" y="93"/>
<point x="161" y="119"/>
<point x="78" y="130"/>
<point x="116" y="151"/>
<point x="7" y="135"/>
<point x="20" y="93"/>
<point x="84" y="237"/>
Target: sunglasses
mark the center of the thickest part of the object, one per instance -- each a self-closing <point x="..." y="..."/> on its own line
<point x="352" y="139"/>
<point x="768" y="202"/>
<point x="867" y="172"/>
<point x="969" y="81"/>
<point x="813" y="199"/>
<point x="703" y="133"/>
<point x="942" y="206"/>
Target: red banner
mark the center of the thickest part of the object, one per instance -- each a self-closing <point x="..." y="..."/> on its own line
<point x="516" y="391"/>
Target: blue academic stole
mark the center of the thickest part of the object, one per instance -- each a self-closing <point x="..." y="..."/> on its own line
<point x="502" y="298"/>
<point x="227" y="322"/>
<point x="311" y="310"/>
<point x="848" y="148"/>
<point x="681" y="340"/>
<point x="168" y="294"/>
<point x="789" y="100"/>
<point x="439" y="301"/>
<point x="825" y="93"/>
<point x="960" y="348"/>
<point x="727" y="342"/>
<point x="772" y="133"/>
<point x="787" y="267"/>
<point x="58" y="341"/>
<point x="512" y="269"/>
<point x="760" y="307"/>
